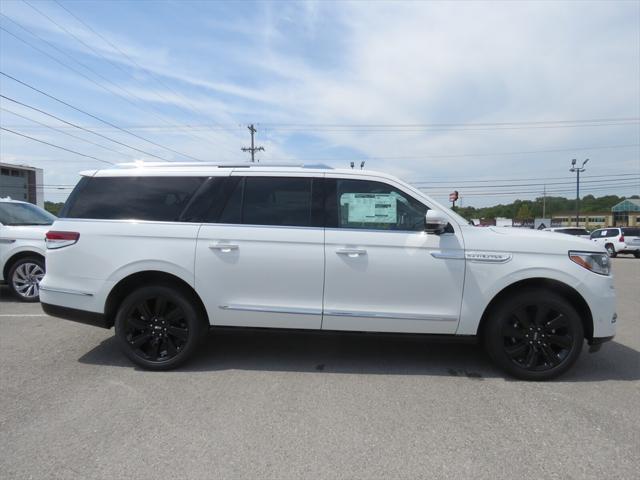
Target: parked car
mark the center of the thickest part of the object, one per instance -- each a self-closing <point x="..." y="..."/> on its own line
<point x="22" y="230"/>
<point x="618" y="240"/>
<point x="578" y="232"/>
<point x="632" y="239"/>
<point x="163" y="252"/>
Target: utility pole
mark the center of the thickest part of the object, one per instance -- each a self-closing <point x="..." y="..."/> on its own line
<point x="578" y="170"/>
<point x="253" y="149"/>
<point x="544" y="202"/>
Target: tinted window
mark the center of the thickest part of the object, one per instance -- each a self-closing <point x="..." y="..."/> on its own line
<point x="270" y="201"/>
<point x="375" y="205"/>
<point x="24" y="214"/>
<point x="136" y="198"/>
<point x="631" y="232"/>
<point x="574" y="231"/>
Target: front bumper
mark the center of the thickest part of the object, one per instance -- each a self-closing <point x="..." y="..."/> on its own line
<point x="595" y="344"/>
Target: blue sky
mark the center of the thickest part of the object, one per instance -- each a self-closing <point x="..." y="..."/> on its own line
<point x="442" y="92"/>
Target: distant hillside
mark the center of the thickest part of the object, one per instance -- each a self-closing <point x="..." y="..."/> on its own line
<point x="52" y="207"/>
<point x="533" y="208"/>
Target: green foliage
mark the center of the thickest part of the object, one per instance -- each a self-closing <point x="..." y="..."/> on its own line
<point x="533" y="208"/>
<point x="53" y="208"/>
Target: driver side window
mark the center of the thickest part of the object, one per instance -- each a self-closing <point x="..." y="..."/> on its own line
<point x="364" y="204"/>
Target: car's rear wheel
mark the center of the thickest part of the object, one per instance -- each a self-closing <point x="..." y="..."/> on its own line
<point x="534" y="335"/>
<point x="159" y="327"/>
<point x="24" y="278"/>
<point x="611" y="251"/>
<point x="636" y="254"/>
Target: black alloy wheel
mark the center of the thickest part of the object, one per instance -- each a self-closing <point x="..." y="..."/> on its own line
<point x="158" y="327"/>
<point x="536" y="335"/>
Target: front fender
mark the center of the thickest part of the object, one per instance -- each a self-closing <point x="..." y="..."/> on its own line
<point x="483" y="281"/>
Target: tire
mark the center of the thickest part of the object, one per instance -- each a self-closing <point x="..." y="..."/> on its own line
<point x="159" y="326"/>
<point x="611" y="251"/>
<point x="534" y="335"/>
<point x="24" y="278"/>
<point x="636" y="254"/>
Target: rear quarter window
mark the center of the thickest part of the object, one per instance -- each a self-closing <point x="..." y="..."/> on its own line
<point x="631" y="232"/>
<point x="134" y="198"/>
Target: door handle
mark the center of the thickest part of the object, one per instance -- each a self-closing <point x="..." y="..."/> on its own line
<point x="351" y="252"/>
<point x="223" y="247"/>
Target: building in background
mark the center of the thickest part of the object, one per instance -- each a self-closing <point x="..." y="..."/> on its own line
<point x="21" y="182"/>
<point x="626" y="213"/>
<point x="590" y="221"/>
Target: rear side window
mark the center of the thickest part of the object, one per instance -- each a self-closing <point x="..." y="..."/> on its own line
<point x="135" y="198"/>
<point x="631" y="232"/>
<point x="270" y="201"/>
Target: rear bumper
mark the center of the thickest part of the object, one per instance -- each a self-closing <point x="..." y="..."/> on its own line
<point x="81" y="316"/>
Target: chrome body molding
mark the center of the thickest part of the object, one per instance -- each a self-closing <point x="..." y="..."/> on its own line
<point x="271" y="309"/>
<point x="449" y="255"/>
<point x="399" y="316"/>
<point x="64" y="290"/>
<point x="488" y="257"/>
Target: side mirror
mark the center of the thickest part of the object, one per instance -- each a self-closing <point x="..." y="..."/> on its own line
<point x="435" y="222"/>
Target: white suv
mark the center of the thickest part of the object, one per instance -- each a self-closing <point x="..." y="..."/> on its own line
<point x="618" y="240"/>
<point x="22" y="229"/>
<point x="164" y="252"/>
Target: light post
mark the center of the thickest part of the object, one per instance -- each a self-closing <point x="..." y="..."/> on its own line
<point x="578" y="170"/>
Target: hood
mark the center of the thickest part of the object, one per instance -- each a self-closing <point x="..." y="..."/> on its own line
<point x="513" y="239"/>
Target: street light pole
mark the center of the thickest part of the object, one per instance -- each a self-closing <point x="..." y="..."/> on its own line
<point x="578" y="170"/>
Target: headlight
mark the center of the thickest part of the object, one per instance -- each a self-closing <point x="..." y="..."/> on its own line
<point x="596" y="262"/>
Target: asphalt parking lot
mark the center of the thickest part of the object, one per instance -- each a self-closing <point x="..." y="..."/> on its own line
<point x="279" y="406"/>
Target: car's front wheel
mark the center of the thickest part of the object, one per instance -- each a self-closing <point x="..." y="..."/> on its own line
<point x="24" y="278"/>
<point x="534" y="335"/>
<point x="159" y="327"/>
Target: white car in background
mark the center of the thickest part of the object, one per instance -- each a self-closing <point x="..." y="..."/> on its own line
<point x="575" y="231"/>
<point x="618" y="240"/>
<point x="165" y="251"/>
<point x="22" y="230"/>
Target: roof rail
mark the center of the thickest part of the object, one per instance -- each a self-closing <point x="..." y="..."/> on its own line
<point x="142" y="164"/>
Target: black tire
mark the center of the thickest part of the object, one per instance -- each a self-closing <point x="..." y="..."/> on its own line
<point x="24" y="278"/>
<point x="611" y="251"/>
<point x="160" y="326"/>
<point x="534" y="335"/>
<point x="636" y="254"/>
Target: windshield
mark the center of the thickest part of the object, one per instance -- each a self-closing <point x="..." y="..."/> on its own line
<point x="24" y="214"/>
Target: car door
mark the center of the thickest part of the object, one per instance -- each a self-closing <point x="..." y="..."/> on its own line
<point x="383" y="272"/>
<point x="260" y="262"/>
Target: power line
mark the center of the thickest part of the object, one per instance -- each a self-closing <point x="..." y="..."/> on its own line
<point x="511" y="185"/>
<point x="497" y="179"/>
<point x="92" y="116"/>
<point x="107" y="89"/>
<point x="61" y="131"/>
<point x="134" y="62"/>
<point x="57" y="146"/>
<point x="80" y="127"/>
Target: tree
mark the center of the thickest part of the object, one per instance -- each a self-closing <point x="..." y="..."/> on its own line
<point x="523" y="212"/>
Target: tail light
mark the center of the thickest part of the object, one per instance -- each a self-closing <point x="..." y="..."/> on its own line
<point x="55" y="239"/>
<point x="621" y="239"/>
